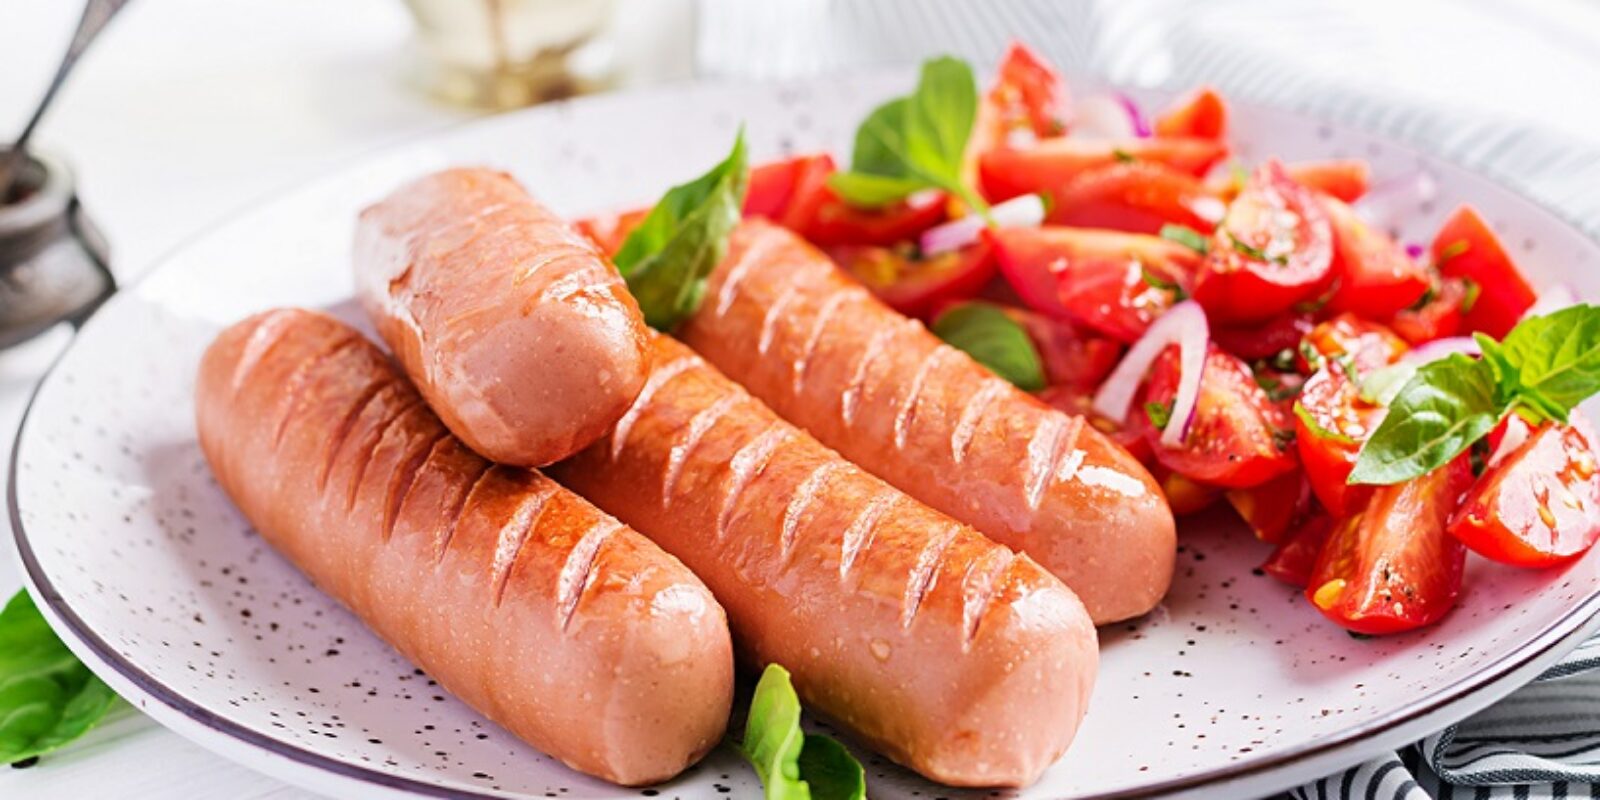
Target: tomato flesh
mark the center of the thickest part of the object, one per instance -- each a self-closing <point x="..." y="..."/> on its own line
<point x="1331" y="421"/>
<point x="771" y="185"/>
<point x="1201" y="114"/>
<point x="609" y="231"/>
<point x="916" y="287"/>
<point x="1274" y="249"/>
<point x="1050" y="164"/>
<point x="1344" y="179"/>
<point x="1272" y="508"/>
<point x="1375" y="276"/>
<point x="1436" y="318"/>
<point x="1392" y="567"/>
<point x="1369" y="345"/>
<point x="1466" y="248"/>
<point x="1138" y="197"/>
<point x="1296" y="555"/>
<point x="1265" y="340"/>
<point x="1183" y="495"/>
<point x="1236" y="438"/>
<point x="1541" y="505"/>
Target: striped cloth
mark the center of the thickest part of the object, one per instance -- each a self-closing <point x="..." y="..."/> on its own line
<point x="1341" y="60"/>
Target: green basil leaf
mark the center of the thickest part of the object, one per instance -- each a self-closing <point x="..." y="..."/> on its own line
<point x="994" y="340"/>
<point x="47" y="697"/>
<point x="1445" y="407"/>
<point x="667" y="258"/>
<point x="791" y="764"/>
<point x="1159" y="413"/>
<point x="1186" y="236"/>
<point x="915" y="142"/>
<point x="1556" y="358"/>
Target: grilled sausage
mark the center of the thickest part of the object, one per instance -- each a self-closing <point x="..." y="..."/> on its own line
<point x="786" y="323"/>
<point x="514" y="327"/>
<point x="936" y="646"/>
<point x="534" y="607"/>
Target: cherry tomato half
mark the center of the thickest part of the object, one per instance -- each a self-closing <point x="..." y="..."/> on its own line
<point x="1375" y="277"/>
<point x="1368" y="344"/>
<point x="1266" y="340"/>
<point x="1393" y="567"/>
<point x="1137" y="197"/>
<point x="1049" y="164"/>
<point x="1541" y="505"/>
<point x="1274" y="249"/>
<point x="1201" y="114"/>
<point x="1331" y="422"/>
<point x="1465" y="248"/>
<point x="1272" y="508"/>
<point x="1437" y="316"/>
<point x="1027" y="95"/>
<point x="1237" y="437"/>
<point x="1114" y="283"/>
<point x="772" y="184"/>
<point x="916" y="287"/>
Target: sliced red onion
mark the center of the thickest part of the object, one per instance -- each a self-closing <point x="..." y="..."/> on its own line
<point x="1414" y="251"/>
<point x="1551" y="300"/>
<point x="1141" y="128"/>
<point x="1439" y="348"/>
<point x="1184" y="325"/>
<point x="1102" y="116"/>
<point x="1026" y="211"/>
<point x="1516" y="434"/>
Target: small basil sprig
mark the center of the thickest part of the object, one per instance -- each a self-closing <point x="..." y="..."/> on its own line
<point x="1543" y="369"/>
<point x="792" y="764"/>
<point x="915" y="142"/>
<point x="667" y="258"/>
<point x="47" y="697"/>
<point x="983" y="331"/>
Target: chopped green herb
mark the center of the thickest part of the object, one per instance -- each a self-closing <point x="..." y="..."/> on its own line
<point x="1155" y="281"/>
<point x="1122" y="156"/>
<point x="1159" y="413"/>
<point x="1316" y="428"/>
<point x="1283" y="438"/>
<point x="1239" y="175"/>
<point x="1186" y="236"/>
<point x="1283" y="360"/>
<point x="1255" y="252"/>
<point x="1470" y="291"/>
<point x="1452" y="250"/>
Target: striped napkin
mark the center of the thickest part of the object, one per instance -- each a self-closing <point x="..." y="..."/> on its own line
<point x="1417" y="72"/>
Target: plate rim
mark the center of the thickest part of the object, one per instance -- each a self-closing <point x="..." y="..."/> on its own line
<point x="1545" y="647"/>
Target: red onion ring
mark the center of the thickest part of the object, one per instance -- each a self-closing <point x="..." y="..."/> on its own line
<point x="1026" y="211"/>
<point x="1141" y="128"/>
<point x="1184" y="325"/>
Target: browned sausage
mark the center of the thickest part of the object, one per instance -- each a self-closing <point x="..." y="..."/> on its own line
<point x="936" y="646"/>
<point x="534" y="607"/>
<point x="516" y="329"/>
<point x="782" y="320"/>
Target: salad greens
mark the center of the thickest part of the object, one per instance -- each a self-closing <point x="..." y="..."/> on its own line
<point x="792" y="764"/>
<point x="1543" y="369"/>
<point x="667" y="258"/>
<point x="915" y="142"/>
<point x="983" y="331"/>
<point x="47" y="697"/>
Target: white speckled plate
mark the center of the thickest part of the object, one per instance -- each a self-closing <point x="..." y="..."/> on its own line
<point x="1234" y="686"/>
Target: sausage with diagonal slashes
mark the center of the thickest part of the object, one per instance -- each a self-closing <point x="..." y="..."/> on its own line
<point x="786" y="323"/>
<point x="940" y="648"/>
<point x="512" y="324"/>
<point x="521" y="598"/>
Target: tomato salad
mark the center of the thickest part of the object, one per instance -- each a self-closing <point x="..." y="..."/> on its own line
<point x="1371" y="410"/>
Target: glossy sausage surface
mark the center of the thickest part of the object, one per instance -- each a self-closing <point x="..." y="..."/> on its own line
<point x="818" y="348"/>
<point x="518" y="331"/>
<point x="938" y="647"/>
<point x="536" y="608"/>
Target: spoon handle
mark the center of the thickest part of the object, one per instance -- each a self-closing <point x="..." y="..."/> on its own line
<point x="96" y="13"/>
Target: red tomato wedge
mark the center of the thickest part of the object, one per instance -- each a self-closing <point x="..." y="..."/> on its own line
<point x="1274" y="249"/>
<point x="609" y="231"/>
<point x="1114" y="283"/>
<point x="1073" y="356"/>
<point x="1393" y="567"/>
<point x="1265" y="340"/>
<point x="1236" y="440"/>
<point x="1368" y="344"/>
<point x="1027" y="95"/>
<point x="1344" y="179"/>
<point x="1048" y="165"/>
<point x="1138" y="197"/>
<point x="1201" y="114"/>
<point x="1295" y="556"/>
<point x="916" y="287"/>
<point x="809" y="191"/>
<point x="1331" y="422"/>
<point x="1272" y="508"/>
<point x="1438" y="316"/>
<point x="1465" y="248"/>
<point x="1541" y="505"/>
<point x="1183" y="495"/>
<point x="1375" y="278"/>
<point x="772" y="185"/>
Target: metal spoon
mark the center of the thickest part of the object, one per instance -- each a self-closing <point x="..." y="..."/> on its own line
<point x="96" y="13"/>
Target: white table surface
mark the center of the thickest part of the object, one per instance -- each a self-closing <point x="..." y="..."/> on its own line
<point x="190" y="109"/>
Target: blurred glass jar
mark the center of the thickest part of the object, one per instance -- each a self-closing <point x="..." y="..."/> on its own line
<point x="52" y="259"/>
<point x="509" y="53"/>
